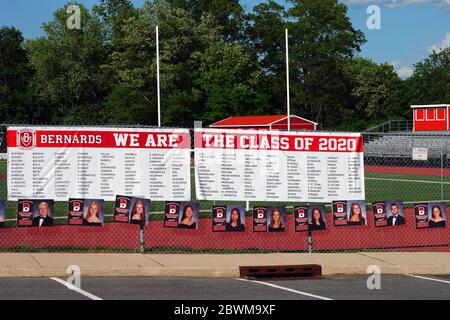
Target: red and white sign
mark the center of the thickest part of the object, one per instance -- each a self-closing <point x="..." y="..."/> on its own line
<point x="61" y="163"/>
<point x="431" y="117"/>
<point x="240" y="165"/>
<point x="26" y="139"/>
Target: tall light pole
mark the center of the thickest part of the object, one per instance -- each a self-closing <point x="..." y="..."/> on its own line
<point x="158" y="79"/>
<point x="288" y="82"/>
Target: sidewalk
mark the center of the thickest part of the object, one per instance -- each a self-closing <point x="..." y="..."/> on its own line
<point x="215" y="266"/>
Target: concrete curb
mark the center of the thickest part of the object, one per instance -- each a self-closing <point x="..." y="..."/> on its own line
<point x="203" y="272"/>
<point x="125" y="273"/>
<point x="39" y="265"/>
<point x="387" y="270"/>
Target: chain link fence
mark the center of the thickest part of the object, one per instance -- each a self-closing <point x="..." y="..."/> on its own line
<point x="391" y="173"/>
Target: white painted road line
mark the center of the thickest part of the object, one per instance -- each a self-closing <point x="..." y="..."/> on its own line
<point x="430" y="279"/>
<point x="72" y="287"/>
<point x="287" y="289"/>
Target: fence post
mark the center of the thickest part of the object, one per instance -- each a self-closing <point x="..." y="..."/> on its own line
<point x="142" y="238"/>
<point x="310" y="242"/>
<point x="442" y="174"/>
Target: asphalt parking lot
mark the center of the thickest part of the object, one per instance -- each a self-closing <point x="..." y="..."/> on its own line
<point x="405" y="287"/>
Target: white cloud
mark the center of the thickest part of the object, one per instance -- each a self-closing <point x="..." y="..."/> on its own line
<point x="403" y="71"/>
<point x="444" y="3"/>
<point x="442" y="45"/>
<point x="396" y="3"/>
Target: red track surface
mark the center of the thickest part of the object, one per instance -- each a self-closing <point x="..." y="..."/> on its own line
<point x="405" y="237"/>
<point x="407" y="170"/>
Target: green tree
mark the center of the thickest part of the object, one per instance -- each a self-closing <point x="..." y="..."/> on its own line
<point x="229" y="14"/>
<point x="376" y="91"/>
<point x="230" y="78"/>
<point x="68" y="77"/>
<point x="266" y="34"/>
<point x="125" y="105"/>
<point x="15" y="76"/>
<point x="430" y="82"/>
<point x="114" y="15"/>
<point x="322" y="38"/>
<point x="182" y="43"/>
<point x="127" y="66"/>
<point x="216" y="61"/>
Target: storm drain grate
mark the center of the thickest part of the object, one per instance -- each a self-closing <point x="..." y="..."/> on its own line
<point x="300" y="271"/>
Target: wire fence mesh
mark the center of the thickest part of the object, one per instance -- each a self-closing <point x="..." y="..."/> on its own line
<point x="391" y="173"/>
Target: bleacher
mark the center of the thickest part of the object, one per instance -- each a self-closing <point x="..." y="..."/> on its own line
<point x="400" y="144"/>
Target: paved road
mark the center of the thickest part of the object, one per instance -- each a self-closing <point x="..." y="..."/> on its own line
<point x="336" y="288"/>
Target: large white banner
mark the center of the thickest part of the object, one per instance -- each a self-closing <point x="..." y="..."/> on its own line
<point x="240" y="165"/>
<point x="98" y="163"/>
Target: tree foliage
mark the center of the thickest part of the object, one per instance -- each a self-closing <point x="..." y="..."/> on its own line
<point x="217" y="60"/>
<point x="430" y="82"/>
<point x="15" y="77"/>
<point x="324" y="39"/>
<point x="68" y="77"/>
<point x="375" y="91"/>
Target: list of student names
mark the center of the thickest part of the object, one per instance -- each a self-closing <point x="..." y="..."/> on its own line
<point x="113" y="164"/>
<point x="262" y="166"/>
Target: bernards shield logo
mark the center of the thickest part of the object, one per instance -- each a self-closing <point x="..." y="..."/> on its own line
<point x="173" y="208"/>
<point x="380" y="208"/>
<point x="301" y="213"/>
<point x="219" y="213"/>
<point x="260" y="213"/>
<point x="26" y="139"/>
<point x="421" y="210"/>
<point x="76" y="206"/>
<point x="26" y="207"/>
<point x="340" y="207"/>
<point x="123" y="203"/>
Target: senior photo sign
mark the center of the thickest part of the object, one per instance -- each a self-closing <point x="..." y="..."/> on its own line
<point x="239" y="165"/>
<point x="98" y="163"/>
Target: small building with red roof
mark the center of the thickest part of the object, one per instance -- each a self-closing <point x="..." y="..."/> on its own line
<point x="279" y="122"/>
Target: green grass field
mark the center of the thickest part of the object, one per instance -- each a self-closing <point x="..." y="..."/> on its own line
<point x="409" y="188"/>
<point x="379" y="187"/>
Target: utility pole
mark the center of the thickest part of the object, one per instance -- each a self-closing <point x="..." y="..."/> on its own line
<point x="288" y="82"/>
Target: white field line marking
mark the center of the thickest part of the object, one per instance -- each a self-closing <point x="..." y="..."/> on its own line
<point x="430" y="279"/>
<point x="72" y="287"/>
<point x="403" y="180"/>
<point x="287" y="289"/>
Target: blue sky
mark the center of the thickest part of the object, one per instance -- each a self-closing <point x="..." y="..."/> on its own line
<point x="409" y="30"/>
